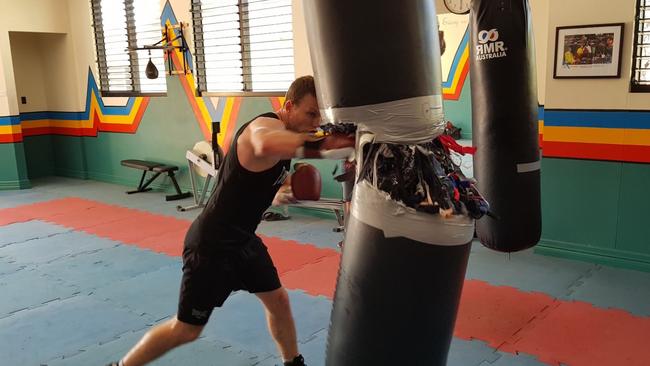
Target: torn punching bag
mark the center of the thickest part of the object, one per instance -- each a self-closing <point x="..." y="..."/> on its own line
<point x="408" y="237"/>
<point x="504" y="123"/>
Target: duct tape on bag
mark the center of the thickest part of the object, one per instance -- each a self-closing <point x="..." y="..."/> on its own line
<point x="375" y="208"/>
<point x="406" y="121"/>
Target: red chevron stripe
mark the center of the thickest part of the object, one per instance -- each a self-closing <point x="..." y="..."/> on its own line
<point x="629" y="153"/>
<point x="9" y="138"/>
<point x="459" y="86"/>
<point x="275" y="103"/>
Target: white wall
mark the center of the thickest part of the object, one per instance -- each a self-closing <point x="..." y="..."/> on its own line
<point x="73" y="17"/>
<point x="454" y="27"/>
<point x="592" y="93"/>
<point x="302" y="58"/>
<point x="29" y="71"/>
<point x="82" y="43"/>
<point x="60" y="79"/>
<point x="35" y="15"/>
<point x="38" y="16"/>
<point x="540" y="14"/>
<point x="8" y="105"/>
<point x="43" y="67"/>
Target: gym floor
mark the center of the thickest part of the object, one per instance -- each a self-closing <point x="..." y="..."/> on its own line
<point x="85" y="270"/>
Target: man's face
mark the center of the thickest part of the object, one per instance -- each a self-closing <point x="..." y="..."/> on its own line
<point x="303" y="116"/>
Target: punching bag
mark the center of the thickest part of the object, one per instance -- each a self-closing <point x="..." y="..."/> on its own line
<point x="504" y="123"/>
<point x="402" y="269"/>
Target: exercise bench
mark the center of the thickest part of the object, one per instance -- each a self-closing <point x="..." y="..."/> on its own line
<point x="156" y="169"/>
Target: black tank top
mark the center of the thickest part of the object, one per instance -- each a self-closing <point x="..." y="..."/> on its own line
<point x="241" y="196"/>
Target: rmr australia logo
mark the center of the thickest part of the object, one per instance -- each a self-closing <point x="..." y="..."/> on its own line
<point x="489" y="46"/>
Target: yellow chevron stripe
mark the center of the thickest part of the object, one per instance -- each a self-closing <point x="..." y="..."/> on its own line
<point x="119" y="119"/>
<point x="594" y="135"/>
<point x="225" y="119"/>
<point x="456" y="78"/>
<point x="200" y="102"/>
<point x="10" y="130"/>
<point x="203" y="109"/>
<point x="61" y="123"/>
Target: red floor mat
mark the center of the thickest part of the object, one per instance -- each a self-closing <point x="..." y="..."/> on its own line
<point x="315" y="278"/>
<point x="579" y="334"/>
<point x="289" y="255"/>
<point x="572" y="333"/>
<point x="493" y="314"/>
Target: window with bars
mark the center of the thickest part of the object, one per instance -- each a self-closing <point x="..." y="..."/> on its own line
<point x="119" y="26"/>
<point x="243" y="46"/>
<point x="641" y="55"/>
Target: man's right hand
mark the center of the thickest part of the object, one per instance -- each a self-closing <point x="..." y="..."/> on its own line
<point x="334" y="146"/>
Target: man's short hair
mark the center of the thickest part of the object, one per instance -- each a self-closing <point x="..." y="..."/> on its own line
<point x="300" y="87"/>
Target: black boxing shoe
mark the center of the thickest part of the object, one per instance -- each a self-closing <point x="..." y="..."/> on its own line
<point x="297" y="361"/>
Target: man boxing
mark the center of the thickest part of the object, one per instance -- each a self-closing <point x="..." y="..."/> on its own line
<point x="222" y="254"/>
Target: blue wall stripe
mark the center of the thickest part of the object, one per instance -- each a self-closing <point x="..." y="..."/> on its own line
<point x="168" y="14"/>
<point x="34" y="116"/>
<point x="9" y="121"/>
<point x="111" y="110"/>
<point x="603" y="119"/>
<point x="457" y="57"/>
<point x="211" y="110"/>
<point x="221" y="105"/>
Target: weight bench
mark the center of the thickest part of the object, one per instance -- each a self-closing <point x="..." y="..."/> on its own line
<point x="157" y="169"/>
<point x="336" y="205"/>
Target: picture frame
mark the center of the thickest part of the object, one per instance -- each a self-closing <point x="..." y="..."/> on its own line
<point x="588" y="51"/>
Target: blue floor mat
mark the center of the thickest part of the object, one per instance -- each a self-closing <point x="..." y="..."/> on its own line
<point x="616" y="288"/>
<point x="90" y="271"/>
<point x="154" y="293"/>
<point x="47" y="249"/>
<point x="62" y="328"/>
<point x="27" y="289"/>
<point x="242" y="323"/>
<point x="24" y="231"/>
<point x="525" y="270"/>
<point x="199" y="353"/>
<point x="469" y="353"/>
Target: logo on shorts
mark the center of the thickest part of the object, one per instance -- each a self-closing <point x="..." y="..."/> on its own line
<point x="199" y="314"/>
<point x="489" y="46"/>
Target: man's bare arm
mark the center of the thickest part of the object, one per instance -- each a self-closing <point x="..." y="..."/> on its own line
<point x="270" y="139"/>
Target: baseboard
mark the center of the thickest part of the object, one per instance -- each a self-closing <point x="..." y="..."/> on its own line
<point x="71" y="173"/>
<point x="606" y="256"/>
<point x="15" y="184"/>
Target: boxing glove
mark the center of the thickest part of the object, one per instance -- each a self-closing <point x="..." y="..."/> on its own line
<point x="306" y="183"/>
<point x="334" y="146"/>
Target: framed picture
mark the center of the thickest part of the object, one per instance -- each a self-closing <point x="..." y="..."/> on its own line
<point x="588" y="51"/>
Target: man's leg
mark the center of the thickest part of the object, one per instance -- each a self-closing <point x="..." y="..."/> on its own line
<point x="280" y="321"/>
<point x="161" y="339"/>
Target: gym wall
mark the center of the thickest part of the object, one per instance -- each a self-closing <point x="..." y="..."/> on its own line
<point x="596" y="145"/>
<point x="591" y="180"/>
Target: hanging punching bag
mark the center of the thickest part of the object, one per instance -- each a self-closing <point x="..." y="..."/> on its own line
<point x="151" y="70"/>
<point x="504" y="123"/>
<point x="402" y="269"/>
